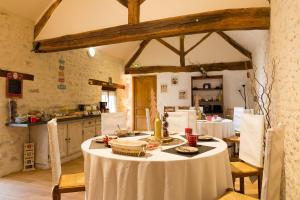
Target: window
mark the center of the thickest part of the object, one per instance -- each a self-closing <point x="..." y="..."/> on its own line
<point x="111" y="98"/>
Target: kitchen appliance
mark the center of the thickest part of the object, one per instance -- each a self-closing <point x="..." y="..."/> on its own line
<point x="103" y="106"/>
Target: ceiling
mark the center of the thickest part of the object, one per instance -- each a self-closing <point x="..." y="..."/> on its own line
<point x="74" y="16"/>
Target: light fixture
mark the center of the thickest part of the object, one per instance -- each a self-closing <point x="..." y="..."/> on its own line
<point x="91" y="52"/>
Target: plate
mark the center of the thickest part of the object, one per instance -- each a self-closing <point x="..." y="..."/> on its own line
<point x="205" y="137"/>
<point x="187" y="149"/>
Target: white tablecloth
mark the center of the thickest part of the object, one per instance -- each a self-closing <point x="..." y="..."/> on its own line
<point x="160" y="176"/>
<point x="220" y="130"/>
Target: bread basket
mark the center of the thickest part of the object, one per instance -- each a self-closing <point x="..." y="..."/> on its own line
<point x="135" y="148"/>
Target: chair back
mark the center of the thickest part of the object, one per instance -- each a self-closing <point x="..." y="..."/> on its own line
<point x="237" y="114"/>
<point x="54" y="151"/>
<point x="251" y="139"/>
<point x="179" y="120"/>
<point x="110" y="122"/>
<point x="273" y="163"/>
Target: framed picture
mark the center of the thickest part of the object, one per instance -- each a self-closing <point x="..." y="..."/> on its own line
<point x="174" y="80"/>
<point x="163" y="88"/>
<point x="182" y="94"/>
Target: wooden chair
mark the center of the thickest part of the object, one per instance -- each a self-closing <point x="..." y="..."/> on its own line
<point x="272" y="168"/>
<point x="251" y="150"/>
<point x="66" y="183"/>
<point x="233" y="142"/>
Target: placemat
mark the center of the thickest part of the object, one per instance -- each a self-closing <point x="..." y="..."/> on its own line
<point x="212" y="140"/>
<point x="202" y="149"/>
<point x="136" y="134"/>
<point x="97" y="145"/>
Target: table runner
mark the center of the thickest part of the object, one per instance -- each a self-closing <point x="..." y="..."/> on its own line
<point x="202" y="149"/>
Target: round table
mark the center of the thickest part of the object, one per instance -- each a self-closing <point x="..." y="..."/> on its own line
<point x="220" y="129"/>
<point x="158" y="176"/>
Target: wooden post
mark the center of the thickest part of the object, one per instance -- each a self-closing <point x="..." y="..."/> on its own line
<point x="133" y="11"/>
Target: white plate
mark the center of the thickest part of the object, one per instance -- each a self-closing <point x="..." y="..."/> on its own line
<point x="205" y="137"/>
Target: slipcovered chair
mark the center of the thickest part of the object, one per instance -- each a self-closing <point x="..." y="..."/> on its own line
<point x="65" y="183"/>
<point x="110" y="122"/>
<point x="251" y="150"/>
<point x="273" y="162"/>
<point x="179" y="120"/>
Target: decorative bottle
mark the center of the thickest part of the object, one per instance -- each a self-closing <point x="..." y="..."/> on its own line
<point x="157" y="125"/>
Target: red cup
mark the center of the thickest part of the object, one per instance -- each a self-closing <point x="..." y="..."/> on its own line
<point x="209" y="118"/>
<point x="188" y="132"/>
<point x="192" y="140"/>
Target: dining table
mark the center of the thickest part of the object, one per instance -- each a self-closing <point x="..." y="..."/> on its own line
<point x="162" y="174"/>
<point x="222" y="128"/>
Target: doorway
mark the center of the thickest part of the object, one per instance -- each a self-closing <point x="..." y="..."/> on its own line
<point x="142" y="86"/>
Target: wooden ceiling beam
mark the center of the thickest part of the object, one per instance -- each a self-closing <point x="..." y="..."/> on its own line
<point x="191" y="68"/>
<point x="133" y="11"/>
<point x="195" y="45"/>
<point x="220" y="20"/>
<point x="44" y="19"/>
<point x="235" y="45"/>
<point x="137" y="53"/>
<point x="169" y="46"/>
<point x="182" y="55"/>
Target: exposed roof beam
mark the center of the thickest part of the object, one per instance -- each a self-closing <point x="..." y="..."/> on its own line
<point x="44" y="19"/>
<point x="163" y="42"/>
<point x="195" y="45"/>
<point x="182" y="55"/>
<point x="220" y="20"/>
<point x="125" y="2"/>
<point x="191" y="68"/>
<point x="133" y="11"/>
<point x="137" y="53"/>
<point x="236" y="45"/>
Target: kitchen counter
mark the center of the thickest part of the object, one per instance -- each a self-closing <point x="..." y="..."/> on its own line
<point x="59" y="119"/>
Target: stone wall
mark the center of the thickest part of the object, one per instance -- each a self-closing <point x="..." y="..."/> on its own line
<point x="285" y="50"/>
<point x="16" y="36"/>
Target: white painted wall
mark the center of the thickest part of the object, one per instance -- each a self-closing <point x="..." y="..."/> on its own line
<point x="231" y="83"/>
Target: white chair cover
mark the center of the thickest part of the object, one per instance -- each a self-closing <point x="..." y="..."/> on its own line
<point x="251" y="139"/>
<point x="54" y="151"/>
<point x="273" y="164"/>
<point x="179" y="120"/>
<point x="237" y="114"/>
<point x="111" y="121"/>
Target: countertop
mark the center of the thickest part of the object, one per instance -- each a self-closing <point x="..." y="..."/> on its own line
<point x="64" y="119"/>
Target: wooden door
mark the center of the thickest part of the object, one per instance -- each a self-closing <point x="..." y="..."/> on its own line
<point x="142" y="87"/>
<point x="63" y="139"/>
<point x="75" y="137"/>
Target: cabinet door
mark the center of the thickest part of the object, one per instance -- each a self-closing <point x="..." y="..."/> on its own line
<point x="63" y="139"/>
<point x="89" y="133"/>
<point x="75" y="137"/>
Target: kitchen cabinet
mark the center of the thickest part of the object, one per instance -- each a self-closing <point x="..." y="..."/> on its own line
<point x="74" y="137"/>
<point x="62" y="130"/>
<point x="70" y="136"/>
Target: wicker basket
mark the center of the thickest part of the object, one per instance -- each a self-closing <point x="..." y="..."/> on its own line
<point x="129" y="147"/>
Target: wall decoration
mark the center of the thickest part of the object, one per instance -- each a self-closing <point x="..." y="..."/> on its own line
<point x="182" y="94"/>
<point x="14" y="85"/>
<point x="163" y="88"/>
<point x="61" y="75"/>
<point x="174" y="80"/>
<point x="29" y="156"/>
